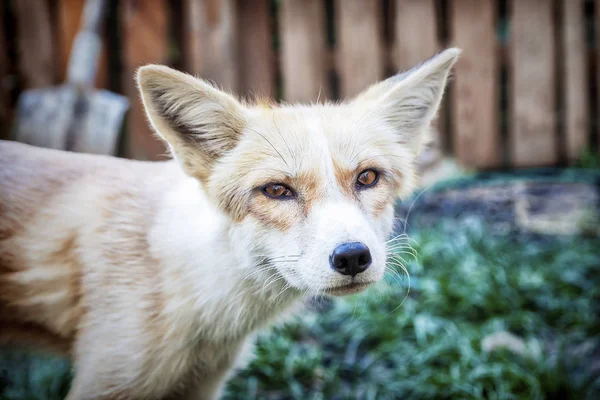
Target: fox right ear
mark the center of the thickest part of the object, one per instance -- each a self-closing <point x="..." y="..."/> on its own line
<point x="409" y="101"/>
<point x="199" y="122"/>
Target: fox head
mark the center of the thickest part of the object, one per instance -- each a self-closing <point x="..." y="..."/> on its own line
<point x="309" y="189"/>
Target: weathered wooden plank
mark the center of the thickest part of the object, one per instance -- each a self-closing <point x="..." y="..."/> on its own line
<point x="597" y="61"/>
<point x="145" y="40"/>
<point x="69" y="14"/>
<point x="210" y="48"/>
<point x="302" y="29"/>
<point x="533" y="140"/>
<point x="415" y="33"/>
<point x="575" y="78"/>
<point x="415" y="40"/>
<point x="359" y="41"/>
<point x="255" y="57"/>
<point x="68" y="23"/>
<point x="4" y="70"/>
<point x="475" y="109"/>
<point x="35" y="44"/>
<point x="192" y="36"/>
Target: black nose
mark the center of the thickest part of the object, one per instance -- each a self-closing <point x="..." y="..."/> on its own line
<point x="350" y="258"/>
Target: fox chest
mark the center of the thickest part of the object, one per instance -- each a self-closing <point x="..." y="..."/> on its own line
<point x="168" y="372"/>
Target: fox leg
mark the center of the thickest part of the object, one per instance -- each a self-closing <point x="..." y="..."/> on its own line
<point x="207" y="386"/>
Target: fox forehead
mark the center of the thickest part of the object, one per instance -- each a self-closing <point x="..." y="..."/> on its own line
<point x="321" y="140"/>
<point x="232" y="148"/>
<point x="316" y="151"/>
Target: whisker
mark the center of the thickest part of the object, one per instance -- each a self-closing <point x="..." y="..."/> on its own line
<point x="269" y="266"/>
<point x="357" y="127"/>
<point x="410" y="208"/>
<point x="271" y="144"/>
<point x="286" y="286"/>
<point x="399" y="245"/>
<point x="270" y="282"/>
<point x="284" y="141"/>
<point x="403" y="250"/>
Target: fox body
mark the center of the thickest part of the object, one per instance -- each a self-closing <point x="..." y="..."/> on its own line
<point x="155" y="276"/>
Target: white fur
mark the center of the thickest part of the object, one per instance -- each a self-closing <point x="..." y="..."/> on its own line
<point x="183" y="262"/>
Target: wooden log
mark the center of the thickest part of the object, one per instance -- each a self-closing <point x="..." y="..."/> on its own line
<point x="69" y="15"/>
<point x="597" y="60"/>
<point x="415" y="33"/>
<point x="303" y="50"/>
<point x="360" y="47"/>
<point x="4" y="71"/>
<point x="533" y="140"/>
<point x="415" y="40"/>
<point x="210" y="48"/>
<point x="475" y="109"/>
<point x="145" y="40"/>
<point x="35" y="44"/>
<point x="255" y="56"/>
<point x="192" y="36"/>
<point x="575" y="78"/>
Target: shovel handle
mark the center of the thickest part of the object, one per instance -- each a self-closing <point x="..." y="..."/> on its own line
<point x="83" y="61"/>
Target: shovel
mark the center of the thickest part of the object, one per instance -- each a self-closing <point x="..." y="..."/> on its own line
<point x="75" y="116"/>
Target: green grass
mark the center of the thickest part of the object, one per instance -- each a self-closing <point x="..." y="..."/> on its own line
<point x="465" y="286"/>
<point x="24" y="377"/>
<point x="589" y="159"/>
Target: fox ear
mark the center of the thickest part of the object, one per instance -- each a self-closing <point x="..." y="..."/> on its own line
<point x="199" y="122"/>
<point x="409" y="101"/>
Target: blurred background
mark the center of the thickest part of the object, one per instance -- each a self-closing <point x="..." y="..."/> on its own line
<point x="503" y="299"/>
<point x="524" y="92"/>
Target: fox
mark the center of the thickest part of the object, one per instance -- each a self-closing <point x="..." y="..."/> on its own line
<point x="155" y="277"/>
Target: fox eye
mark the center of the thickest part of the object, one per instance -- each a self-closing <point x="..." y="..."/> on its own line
<point x="366" y="179"/>
<point x="277" y="191"/>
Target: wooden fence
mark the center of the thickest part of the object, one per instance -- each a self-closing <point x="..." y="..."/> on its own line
<point x="524" y="92"/>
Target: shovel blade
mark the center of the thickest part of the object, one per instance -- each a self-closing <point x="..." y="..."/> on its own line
<point x="68" y="119"/>
<point x="44" y="116"/>
<point x="100" y="123"/>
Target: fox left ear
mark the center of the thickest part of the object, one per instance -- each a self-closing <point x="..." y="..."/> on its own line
<point x="199" y="122"/>
<point x="409" y="101"/>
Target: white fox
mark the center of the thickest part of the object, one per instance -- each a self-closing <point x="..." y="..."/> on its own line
<point x="155" y="277"/>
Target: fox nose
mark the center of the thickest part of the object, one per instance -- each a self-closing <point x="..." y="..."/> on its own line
<point x="350" y="258"/>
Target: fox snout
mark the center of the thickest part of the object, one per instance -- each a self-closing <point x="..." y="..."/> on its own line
<point x="350" y="258"/>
